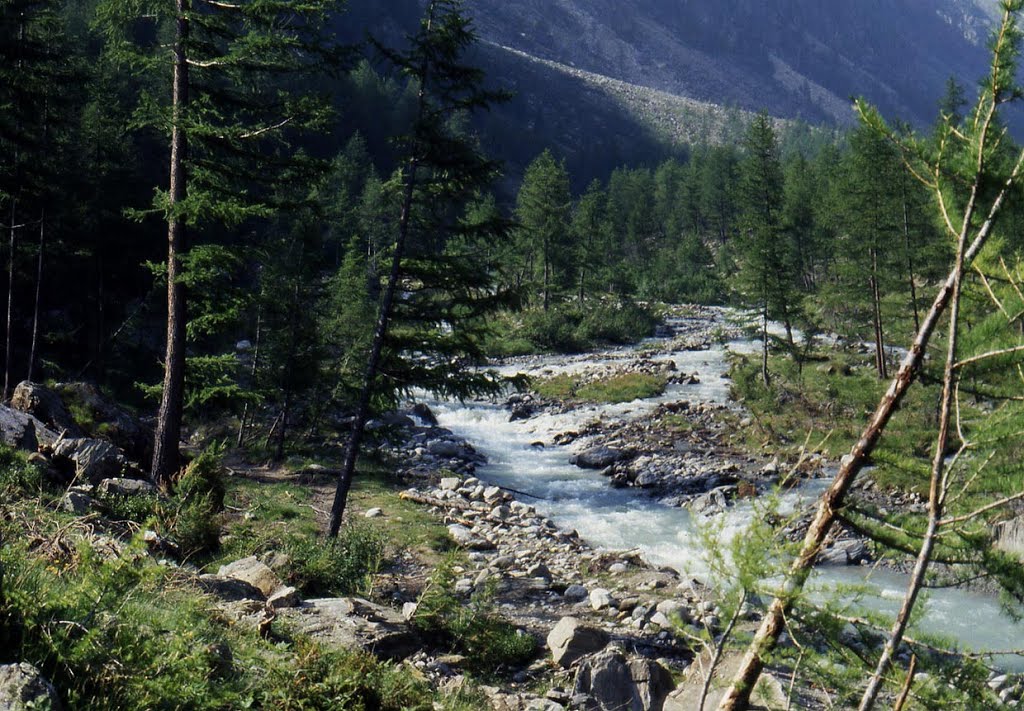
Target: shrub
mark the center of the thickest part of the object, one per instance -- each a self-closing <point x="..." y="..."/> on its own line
<point x="18" y="478"/>
<point x="487" y="640"/>
<point x="343" y="566"/>
<point x="124" y="634"/>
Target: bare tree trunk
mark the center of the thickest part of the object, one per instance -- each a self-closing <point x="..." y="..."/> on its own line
<point x="765" y="376"/>
<point x="39" y="288"/>
<point x="166" y="457"/>
<point x="876" y="305"/>
<point x="10" y="298"/>
<point x="910" y="255"/>
<point x="936" y="494"/>
<point x="716" y="658"/>
<point x="901" y="701"/>
<point x="252" y="374"/>
<point x="767" y="636"/>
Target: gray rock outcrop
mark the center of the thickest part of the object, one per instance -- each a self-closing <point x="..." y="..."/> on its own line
<point x="23" y="431"/>
<point x="610" y="682"/>
<point x="23" y="687"/>
<point x="354" y="623"/>
<point x="571" y="640"/>
<point x="46" y="406"/>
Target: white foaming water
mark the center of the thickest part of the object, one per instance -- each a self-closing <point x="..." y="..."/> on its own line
<point x="521" y="457"/>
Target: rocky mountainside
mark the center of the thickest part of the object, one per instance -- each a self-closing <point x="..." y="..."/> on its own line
<point x="606" y="82"/>
<point x="798" y="58"/>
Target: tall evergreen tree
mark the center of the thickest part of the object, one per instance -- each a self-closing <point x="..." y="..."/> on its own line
<point x="543" y="211"/>
<point x="766" y="258"/>
<point x="226" y="111"/>
<point x="442" y="294"/>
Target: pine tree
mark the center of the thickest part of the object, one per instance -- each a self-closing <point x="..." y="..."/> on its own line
<point x="766" y="257"/>
<point x="227" y="113"/>
<point x="543" y="210"/>
<point x="444" y="295"/>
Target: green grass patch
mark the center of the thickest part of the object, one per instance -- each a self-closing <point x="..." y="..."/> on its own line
<point x="615" y="389"/>
<point x="128" y="633"/>
<point x="569" y="328"/>
<point x="833" y="402"/>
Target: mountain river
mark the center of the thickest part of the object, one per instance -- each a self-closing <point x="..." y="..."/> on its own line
<point x="621" y="519"/>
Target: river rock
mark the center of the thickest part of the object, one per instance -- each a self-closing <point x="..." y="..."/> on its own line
<point x="229" y="589"/>
<point x="450" y="483"/>
<point x="611" y="682"/>
<point x="601" y="599"/>
<point x="23" y="687"/>
<point x="674" y="609"/>
<point x="467" y="539"/>
<point x="46" y="406"/>
<point x="571" y="639"/>
<point x="851" y="552"/>
<point x="575" y="593"/>
<point x="285" y="596"/>
<point x="598" y="457"/>
<point x="76" y="502"/>
<point x="116" y="423"/>
<point x="423" y="411"/>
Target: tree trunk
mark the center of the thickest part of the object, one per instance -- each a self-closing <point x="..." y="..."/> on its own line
<point x="876" y="306"/>
<point x="39" y="288"/>
<point x="767" y="636"/>
<point x="910" y="254"/>
<point x="166" y="457"/>
<point x="10" y="298"/>
<point x="765" y="376"/>
<point x="252" y="374"/>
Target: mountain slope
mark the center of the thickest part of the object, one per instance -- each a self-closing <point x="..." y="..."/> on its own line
<point x="797" y="58"/>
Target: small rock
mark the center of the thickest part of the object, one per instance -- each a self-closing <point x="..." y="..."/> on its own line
<point x="286" y="596"/>
<point x="450" y="483"/>
<point x="618" y="568"/>
<point x="409" y="610"/>
<point x="76" y="503"/>
<point x="575" y="593"/>
<point x="601" y="599"/>
<point x="254" y="572"/>
<point x="374" y="513"/>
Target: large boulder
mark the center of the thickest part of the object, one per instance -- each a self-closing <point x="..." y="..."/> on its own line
<point x="598" y="457"/>
<point x="23" y="431"/>
<point x="92" y="460"/>
<point x="252" y="571"/>
<point x="354" y="623"/>
<point x="571" y="640"/>
<point x="45" y="405"/>
<point x="23" y="687"/>
<point x="610" y="682"/>
<point x="229" y="589"/>
<point x="111" y="420"/>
